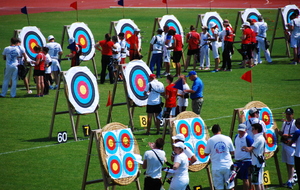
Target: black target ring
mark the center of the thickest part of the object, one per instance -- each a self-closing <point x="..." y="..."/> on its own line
<point x="138" y="81"/>
<point x="83" y="38"/>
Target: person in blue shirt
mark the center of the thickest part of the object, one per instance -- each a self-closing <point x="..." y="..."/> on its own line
<point x="196" y="92"/>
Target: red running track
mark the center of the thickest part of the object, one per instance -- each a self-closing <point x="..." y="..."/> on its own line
<point x="8" y="7"/>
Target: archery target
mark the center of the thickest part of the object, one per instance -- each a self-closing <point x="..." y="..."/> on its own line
<point x="250" y="13"/>
<point x="137" y="77"/>
<point x="84" y="37"/>
<point x="82" y="89"/>
<point x="173" y="23"/>
<point x="129" y="164"/>
<point x="115" y="166"/>
<point x="199" y="151"/>
<point x="266" y="116"/>
<point x="126" y="140"/>
<point x="212" y="17"/>
<point x="127" y="27"/>
<point x="198" y="128"/>
<point x="271" y="141"/>
<point x="110" y="142"/>
<point x="286" y="13"/>
<point x="31" y="36"/>
<point x="183" y="127"/>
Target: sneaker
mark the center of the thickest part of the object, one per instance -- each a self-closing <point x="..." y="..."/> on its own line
<point x="228" y="70"/>
<point x="207" y="68"/>
<point x="51" y="87"/>
<point x="166" y="74"/>
<point x="37" y="95"/>
<point x="289" y="185"/>
<point x="214" y="71"/>
<point x="185" y="71"/>
<point x="55" y="87"/>
<point x="293" y="63"/>
<point x="200" y="68"/>
<point x="29" y="92"/>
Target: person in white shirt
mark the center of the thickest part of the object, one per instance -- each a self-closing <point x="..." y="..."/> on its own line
<point x="156" y="46"/>
<point x="47" y="76"/>
<point x="182" y="97"/>
<point x="204" y="48"/>
<point x="153" y="162"/>
<point x="254" y="118"/>
<point x="261" y="38"/>
<point x="220" y="148"/>
<point x="294" y="28"/>
<point x="124" y="51"/>
<point x="215" y="44"/>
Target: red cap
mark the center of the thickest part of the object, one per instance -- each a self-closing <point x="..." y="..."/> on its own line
<point x="152" y="76"/>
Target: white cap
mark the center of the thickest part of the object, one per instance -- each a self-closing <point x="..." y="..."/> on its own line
<point x="179" y="137"/>
<point x="136" y="29"/>
<point x="253" y="110"/>
<point x="71" y="40"/>
<point x="50" y="37"/>
<point x="242" y="127"/>
<point x="246" y="24"/>
<point x="212" y="24"/>
<point x="179" y="144"/>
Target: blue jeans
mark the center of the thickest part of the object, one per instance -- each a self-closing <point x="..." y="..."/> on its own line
<point x="156" y="59"/>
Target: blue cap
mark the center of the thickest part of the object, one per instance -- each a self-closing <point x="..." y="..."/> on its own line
<point x="191" y="73"/>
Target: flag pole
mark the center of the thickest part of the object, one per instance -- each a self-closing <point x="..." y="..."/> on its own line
<point x="251" y="89"/>
<point x="167" y="6"/>
<point x="28" y="20"/>
<point x="123" y="12"/>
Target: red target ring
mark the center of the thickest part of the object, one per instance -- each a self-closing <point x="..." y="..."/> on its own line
<point x="110" y="142"/>
<point x="266" y="118"/>
<point x="82" y="41"/>
<point x="201" y="149"/>
<point x="83" y="89"/>
<point x="270" y="140"/>
<point x="140" y="82"/>
<point x="129" y="164"/>
<point x="125" y="140"/>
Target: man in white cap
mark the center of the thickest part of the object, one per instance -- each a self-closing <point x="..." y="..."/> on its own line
<point x="180" y="138"/>
<point x="242" y="158"/>
<point x="215" y="44"/>
<point x="254" y="118"/>
<point x="134" y="45"/>
<point x="55" y="51"/>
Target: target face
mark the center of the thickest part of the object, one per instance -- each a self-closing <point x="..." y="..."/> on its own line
<point x="198" y="128"/>
<point x="250" y="13"/>
<point x="111" y="143"/>
<point x="84" y="37"/>
<point x="82" y="89"/>
<point x="115" y="166"/>
<point x="130" y="166"/>
<point x="199" y="152"/>
<point x="271" y="141"/>
<point x="137" y="77"/>
<point x="31" y="36"/>
<point x="286" y="14"/>
<point x="183" y="127"/>
<point x="212" y="17"/>
<point x="173" y="23"/>
<point x="127" y="27"/>
<point x="126" y="140"/>
<point x="266" y="116"/>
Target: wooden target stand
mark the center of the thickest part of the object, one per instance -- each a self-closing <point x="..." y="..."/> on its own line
<point x="65" y="33"/>
<point x="238" y="115"/>
<point x="194" y="167"/>
<point x="106" y="179"/>
<point x="156" y="25"/>
<point x="71" y="111"/>
<point x="284" y="37"/>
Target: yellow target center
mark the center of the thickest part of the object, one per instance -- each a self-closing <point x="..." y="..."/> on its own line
<point x="126" y="141"/>
<point x="115" y="167"/>
<point x="266" y="118"/>
<point x="82" y="41"/>
<point x="32" y="45"/>
<point x="110" y="143"/>
<point x="130" y="164"/>
<point x="201" y="151"/>
<point x="128" y="36"/>
<point x="270" y="140"/>
<point x="82" y="89"/>
<point x="184" y="131"/>
<point x="140" y="82"/>
<point x="197" y="128"/>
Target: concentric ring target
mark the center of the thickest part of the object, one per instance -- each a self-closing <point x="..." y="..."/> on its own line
<point x="212" y="17"/>
<point x="82" y="89"/>
<point x="130" y="166"/>
<point x="137" y="77"/>
<point x="199" y="151"/>
<point x="31" y="36"/>
<point x="115" y="166"/>
<point x="127" y="27"/>
<point x="173" y="23"/>
<point x="183" y="127"/>
<point x="266" y="116"/>
<point x="110" y="142"/>
<point x="271" y="141"/>
<point x="250" y="13"/>
<point x="84" y="37"/>
<point x="198" y="128"/>
<point x="126" y="140"/>
<point x="287" y="12"/>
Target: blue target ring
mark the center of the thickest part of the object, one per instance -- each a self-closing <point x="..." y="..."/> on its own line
<point x="82" y="37"/>
<point x="138" y="81"/>
<point x="271" y="141"/>
<point x="199" y="152"/>
<point x="128" y="31"/>
<point x="215" y="20"/>
<point x="198" y="128"/>
<point x="288" y="15"/>
<point x="115" y="167"/>
<point x="183" y="127"/>
<point x="111" y="143"/>
<point x="129" y="164"/>
<point x="126" y="140"/>
<point x="82" y="89"/>
<point x="253" y="16"/>
<point x="266" y="116"/>
<point x="30" y="40"/>
<point x="173" y="25"/>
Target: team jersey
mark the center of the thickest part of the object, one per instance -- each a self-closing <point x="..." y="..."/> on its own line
<point x="11" y="53"/>
<point x="54" y="49"/>
<point x="229" y="34"/>
<point x="193" y="39"/>
<point x="171" y="94"/>
<point x="248" y="33"/>
<point x="178" y="39"/>
<point x="106" y="47"/>
<point x="42" y="59"/>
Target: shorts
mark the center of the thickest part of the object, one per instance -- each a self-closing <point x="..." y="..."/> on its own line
<point x="169" y="111"/>
<point x="193" y="51"/>
<point x="38" y="73"/>
<point x="287" y="154"/>
<point x="257" y="175"/>
<point x="220" y="176"/>
<point x="244" y="168"/>
<point x="215" y="50"/>
<point x="295" y="42"/>
<point x="153" y="108"/>
<point x="177" y="56"/>
<point x="152" y="184"/>
<point x="247" y="51"/>
<point x="55" y="66"/>
<point x="167" y="56"/>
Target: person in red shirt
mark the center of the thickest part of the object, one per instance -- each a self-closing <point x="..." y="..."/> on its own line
<point x="39" y="70"/>
<point x="105" y="46"/>
<point x="228" y="45"/>
<point x="171" y="99"/>
<point x="177" y="53"/>
<point x="193" y="40"/>
<point x="134" y="45"/>
<point x="247" y="45"/>
<point x="76" y="51"/>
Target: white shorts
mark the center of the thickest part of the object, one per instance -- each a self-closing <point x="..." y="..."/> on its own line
<point x="182" y="102"/>
<point x="55" y="65"/>
<point x="173" y="111"/>
<point x="215" y="47"/>
<point x="295" y="42"/>
<point x="167" y="56"/>
<point x="287" y="154"/>
<point x="220" y="176"/>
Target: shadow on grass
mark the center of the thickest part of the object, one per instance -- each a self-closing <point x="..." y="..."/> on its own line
<point x="291" y="80"/>
<point x="52" y="139"/>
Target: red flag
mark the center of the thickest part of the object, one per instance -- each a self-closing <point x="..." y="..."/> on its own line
<point x="164" y="1"/>
<point x="74" y="5"/>
<point x="247" y="76"/>
<point x="108" y="100"/>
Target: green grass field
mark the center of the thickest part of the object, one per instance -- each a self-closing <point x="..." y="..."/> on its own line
<point x="29" y="160"/>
